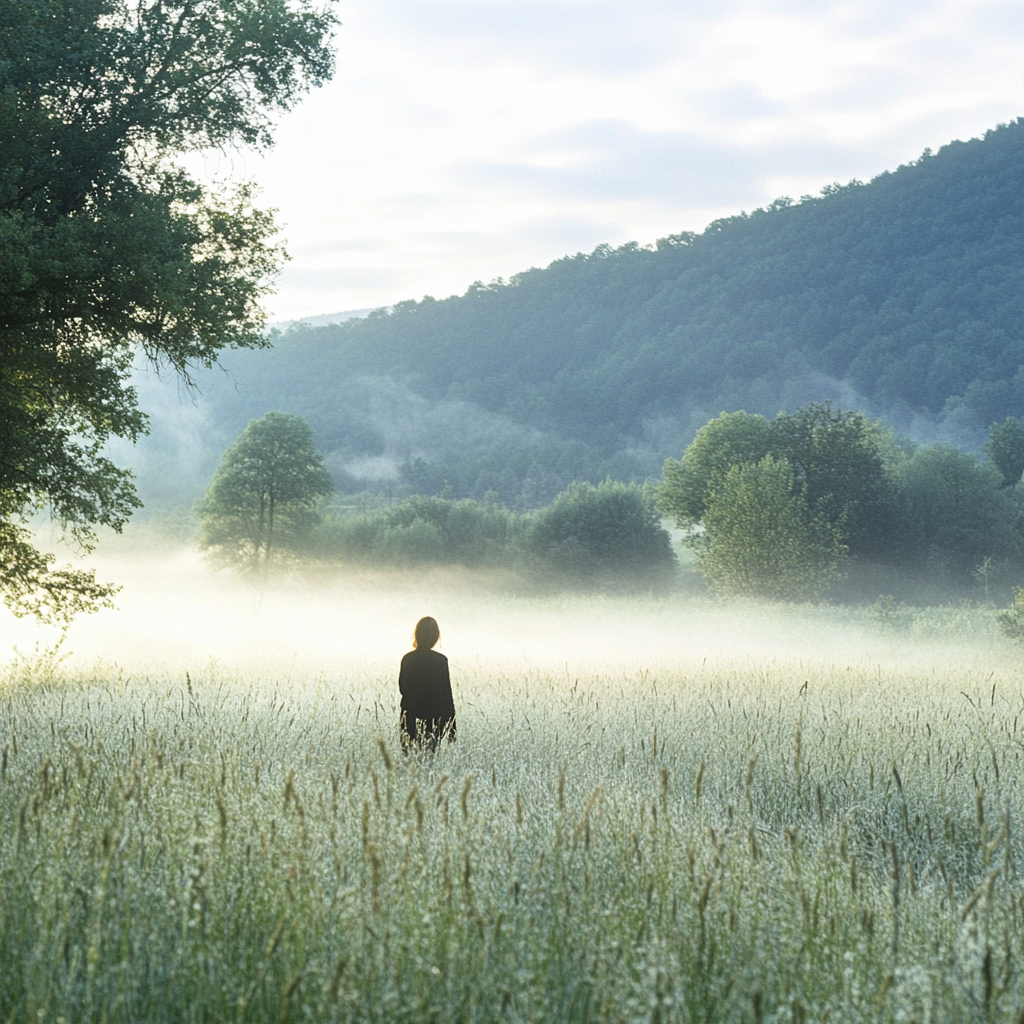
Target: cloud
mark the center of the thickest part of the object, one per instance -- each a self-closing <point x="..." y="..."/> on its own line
<point x="578" y="37"/>
<point x="616" y="161"/>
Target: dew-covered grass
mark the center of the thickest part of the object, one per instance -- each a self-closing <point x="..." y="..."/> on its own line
<point x="738" y="839"/>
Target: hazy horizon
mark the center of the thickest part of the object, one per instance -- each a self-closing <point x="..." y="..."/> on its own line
<point x="176" y="613"/>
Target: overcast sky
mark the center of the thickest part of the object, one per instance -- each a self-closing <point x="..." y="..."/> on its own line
<point x="470" y="139"/>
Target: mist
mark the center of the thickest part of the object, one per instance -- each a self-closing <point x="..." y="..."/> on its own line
<point x="176" y="614"/>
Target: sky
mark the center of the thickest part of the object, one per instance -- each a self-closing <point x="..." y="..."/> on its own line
<point x="465" y="140"/>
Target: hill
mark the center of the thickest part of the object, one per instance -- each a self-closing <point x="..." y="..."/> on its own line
<point x="902" y="297"/>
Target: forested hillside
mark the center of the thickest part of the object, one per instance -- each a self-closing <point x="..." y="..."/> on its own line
<point x="903" y="297"/>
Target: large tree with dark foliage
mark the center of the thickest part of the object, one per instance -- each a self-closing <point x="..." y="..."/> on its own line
<point x="838" y="466"/>
<point x="107" y="247"/>
<point x="933" y="510"/>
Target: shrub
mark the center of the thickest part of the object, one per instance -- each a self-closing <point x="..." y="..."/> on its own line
<point x="422" y="530"/>
<point x="1011" y="622"/>
<point x="605" y="535"/>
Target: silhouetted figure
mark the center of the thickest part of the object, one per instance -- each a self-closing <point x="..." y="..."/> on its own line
<point x="428" y="710"/>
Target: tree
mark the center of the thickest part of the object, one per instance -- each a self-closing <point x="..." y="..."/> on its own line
<point x="836" y="461"/>
<point x="266" y="493"/>
<point x="1005" y="450"/>
<point x="732" y="439"/>
<point x="958" y="512"/>
<point x="608" y="534"/>
<point x="762" y="540"/>
<point x="835" y="458"/>
<point x="107" y="247"/>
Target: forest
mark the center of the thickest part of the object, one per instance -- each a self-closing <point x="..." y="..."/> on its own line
<point x="900" y="297"/>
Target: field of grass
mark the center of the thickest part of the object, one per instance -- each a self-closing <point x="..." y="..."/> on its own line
<point x="739" y="838"/>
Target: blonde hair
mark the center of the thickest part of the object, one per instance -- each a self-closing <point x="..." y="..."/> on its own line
<point x="426" y="633"/>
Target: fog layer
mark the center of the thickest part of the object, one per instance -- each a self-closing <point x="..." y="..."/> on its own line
<point x="175" y="614"/>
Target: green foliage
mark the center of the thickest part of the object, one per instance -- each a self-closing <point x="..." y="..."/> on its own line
<point x="933" y="509"/>
<point x="266" y="494"/>
<point x="837" y="464"/>
<point x="604" y="534"/>
<point x="108" y="247"/>
<point x="956" y="511"/>
<point x="1011" y="621"/>
<point x="32" y="587"/>
<point x="834" y="455"/>
<point x="1005" y="449"/>
<point x="835" y="458"/>
<point x="420" y="531"/>
<point x="732" y="439"/>
<point x="762" y="539"/>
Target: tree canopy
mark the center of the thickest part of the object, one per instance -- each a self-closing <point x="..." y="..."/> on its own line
<point x="932" y="510"/>
<point x="834" y="459"/>
<point x="956" y="511"/>
<point x="731" y="439"/>
<point x="107" y="246"/>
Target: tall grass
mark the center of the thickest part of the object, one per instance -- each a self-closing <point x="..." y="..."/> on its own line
<point x="741" y="841"/>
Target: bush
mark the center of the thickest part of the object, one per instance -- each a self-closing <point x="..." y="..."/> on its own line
<point x="422" y="530"/>
<point x="1011" y="622"/>
<point x="609" y="534"/>
<point x="590" y="536"/>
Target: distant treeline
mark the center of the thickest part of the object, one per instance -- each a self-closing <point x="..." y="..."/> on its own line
<point x="790" y="508"/>
<point x="604" y="536"/>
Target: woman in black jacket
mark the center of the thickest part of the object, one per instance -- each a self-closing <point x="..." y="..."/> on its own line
<point x="428" y="710"/>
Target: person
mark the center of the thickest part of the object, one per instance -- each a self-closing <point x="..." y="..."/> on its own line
<point x="428" y="709"/>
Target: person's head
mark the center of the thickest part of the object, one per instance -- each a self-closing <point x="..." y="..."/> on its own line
<point x="426" y="634"/>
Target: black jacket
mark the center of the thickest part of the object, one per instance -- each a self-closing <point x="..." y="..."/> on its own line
<point x="426" y="690"/>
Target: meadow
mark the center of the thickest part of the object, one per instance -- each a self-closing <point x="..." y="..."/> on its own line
<point x="655" y="811"/>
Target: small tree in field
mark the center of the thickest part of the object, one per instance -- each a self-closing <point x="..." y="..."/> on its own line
<point x="760" y="539"/>
<point x="266" y="493"/>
